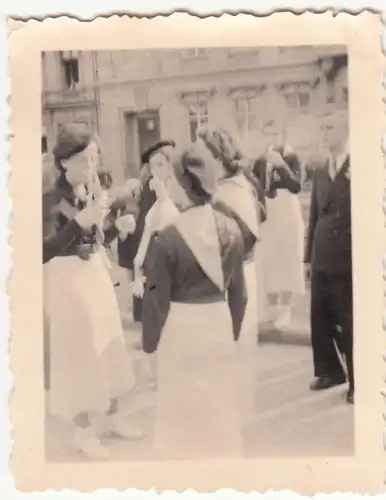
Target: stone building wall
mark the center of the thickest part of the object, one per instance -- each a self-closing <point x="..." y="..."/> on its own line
<point x="131" y="97"/>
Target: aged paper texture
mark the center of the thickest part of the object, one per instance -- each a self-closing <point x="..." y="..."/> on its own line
<point x="299" y="441"/>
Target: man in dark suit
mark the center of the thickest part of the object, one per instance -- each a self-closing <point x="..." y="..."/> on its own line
<point x="328" y="260"/>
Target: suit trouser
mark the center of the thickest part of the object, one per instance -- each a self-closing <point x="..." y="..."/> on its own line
<point x="331" y="305"/>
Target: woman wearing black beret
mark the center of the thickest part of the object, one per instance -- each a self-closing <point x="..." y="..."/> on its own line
<point x="159" y="154"/>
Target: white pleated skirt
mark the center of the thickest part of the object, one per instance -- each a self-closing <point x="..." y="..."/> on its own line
<point x="88" y="362"/>
<point x="197" y="409"/>
<point x="283" y="245"/>
<point x="247" y="347"/>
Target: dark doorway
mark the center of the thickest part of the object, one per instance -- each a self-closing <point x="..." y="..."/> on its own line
<point x="142" y="130"/>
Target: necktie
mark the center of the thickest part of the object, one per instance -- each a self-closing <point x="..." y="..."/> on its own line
<point x="333" y="168"/>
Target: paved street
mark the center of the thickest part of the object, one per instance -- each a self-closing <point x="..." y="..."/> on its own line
<point x="290" y="420"/>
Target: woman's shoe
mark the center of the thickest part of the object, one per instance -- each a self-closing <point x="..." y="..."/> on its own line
<point x="116" y="425"/>
<point x="350" y="396"/>
<point x="283" y="318"/>
<point x="86" y="442"/>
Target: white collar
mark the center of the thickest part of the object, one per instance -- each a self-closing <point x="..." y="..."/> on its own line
<point x="197" y="227"/>
<point x="341" y="157"/>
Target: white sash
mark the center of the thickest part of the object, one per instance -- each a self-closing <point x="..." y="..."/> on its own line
<point x="237" y="194"/>
<point x="197" y="226"/>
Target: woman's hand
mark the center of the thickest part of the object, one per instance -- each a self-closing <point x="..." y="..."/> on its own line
<point x="134" y="186"/>
<point x="275" y="158"/>
<point x="138" y="287"/>
<point x="91" y="215"/>
<point x="125" y="225"/>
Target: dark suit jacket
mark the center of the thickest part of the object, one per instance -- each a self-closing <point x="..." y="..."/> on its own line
<point x="328" y="246"/>
<point x="127" y="249"/>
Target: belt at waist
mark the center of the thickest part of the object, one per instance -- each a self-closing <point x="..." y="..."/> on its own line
<point x="84" y="251"/>
<point x="211" y="299"/>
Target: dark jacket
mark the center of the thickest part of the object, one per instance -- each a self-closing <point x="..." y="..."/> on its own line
<point x="328" y="246"/>
<point x="174" y="275"/>
<point x="127" y="249"/>
<point x="292" y="181"/>
<point x="62" y="236"/>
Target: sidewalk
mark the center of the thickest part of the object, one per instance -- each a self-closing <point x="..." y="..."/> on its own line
<point x="289" y="419"/>
<point x="297" y="332"/>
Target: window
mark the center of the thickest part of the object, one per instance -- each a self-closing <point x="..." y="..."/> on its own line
<point x="296" y="49"/>
<point x="198" y="117"/>
<point x="245" y="114"/>
<point x="241" y="51"/>
<point x="70" y="66"/>
<point x="44" y="145"/>
<point x="297" y="97"/>
<point x="194" y="53"/>
<point x="297" y="100"/>
<point x="243" y="55"/>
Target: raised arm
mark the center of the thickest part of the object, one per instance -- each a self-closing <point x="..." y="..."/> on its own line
<point x="291" y="178"/>
<point x="148" y="231"/>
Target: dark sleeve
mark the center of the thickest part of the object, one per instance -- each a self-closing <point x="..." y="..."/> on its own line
<point x="56" y="241"/>
<point x="260" y="170"/>
<point x="110" y="235"/>
<point x="291" y="179"/>
<point x="124" y="201"/>
<point x="237" y="291"/>
<point x="110" y="231"/>
<point x="313" y="218"/>
<point x="262" y="202"/>
<point x="157" y="295"/>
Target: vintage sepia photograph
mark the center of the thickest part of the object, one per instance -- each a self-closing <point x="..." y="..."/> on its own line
<point x="197" y="253"/>
<point x="197" y="237"/>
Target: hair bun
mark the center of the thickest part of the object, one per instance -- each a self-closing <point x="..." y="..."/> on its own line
<point x="198" y="168"/>
<point x="224" y="148"/>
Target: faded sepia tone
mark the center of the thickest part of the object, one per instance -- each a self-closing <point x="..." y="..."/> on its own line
<point x="134" y="98"/>
<point x="220" y="86"/>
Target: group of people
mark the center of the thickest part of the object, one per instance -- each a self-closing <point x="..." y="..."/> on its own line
<point x="195" y="233"/>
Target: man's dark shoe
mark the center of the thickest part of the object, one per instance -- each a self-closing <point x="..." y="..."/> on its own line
<point x="350" y="396"/>
<point x="323" y="383"/>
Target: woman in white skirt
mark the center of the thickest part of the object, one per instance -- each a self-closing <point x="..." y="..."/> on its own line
<point x="161" y="214"/>
<point x="90" y="371"/>
<point x="283" y="233"/>
<point x="192" y="318"/>
<point x="237" y="197"/>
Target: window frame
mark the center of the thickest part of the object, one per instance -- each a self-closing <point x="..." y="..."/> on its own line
<point x="297" y="90"/>
<point x="70" y="68"/>
<point x="197" y="118"/>
<point x="247" y="114"/>
<point x="194" y="53"/>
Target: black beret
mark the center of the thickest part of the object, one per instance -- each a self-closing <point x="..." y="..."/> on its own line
<point x="72" y="139"/>
<point x="145" y="158"/>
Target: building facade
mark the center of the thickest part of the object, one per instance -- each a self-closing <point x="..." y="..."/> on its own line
<point x="133" y="98"/>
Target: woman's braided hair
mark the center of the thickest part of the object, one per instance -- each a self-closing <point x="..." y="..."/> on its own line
<point x="224" y="149"/>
